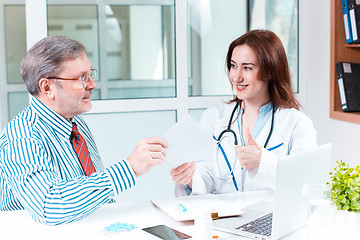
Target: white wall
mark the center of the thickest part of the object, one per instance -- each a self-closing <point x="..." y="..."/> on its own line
<point x="345" y="136"/>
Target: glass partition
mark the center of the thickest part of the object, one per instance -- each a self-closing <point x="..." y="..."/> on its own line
<point x="15" y="41"/>
<point x="17" y="101"/>
<point x="79" y="22"/>
<point x="134" y="53"/>
<point x="281" y="17"/>
<point x="13" y="95"/>
<point x="213" y="25"/>
<point x="140" y="55"/>
<point x="196" y="113"/>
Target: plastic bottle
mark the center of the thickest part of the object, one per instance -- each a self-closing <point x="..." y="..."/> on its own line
<point x="203" y="225"/>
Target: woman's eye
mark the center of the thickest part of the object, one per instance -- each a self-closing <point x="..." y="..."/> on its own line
<point x="247" y="68"/>
<point x="233" y="66"/>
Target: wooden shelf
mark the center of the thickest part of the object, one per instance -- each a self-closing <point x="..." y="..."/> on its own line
<point x="340" y="52"/>
<point x="352" y="45"/>
<point x="349" y="116"/>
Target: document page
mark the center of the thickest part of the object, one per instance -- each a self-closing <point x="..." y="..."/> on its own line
<point x="186" y="208"/>
<point x="187" y="141"/>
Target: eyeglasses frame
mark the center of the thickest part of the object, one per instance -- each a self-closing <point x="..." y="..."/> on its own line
<point x="84" y="81"/>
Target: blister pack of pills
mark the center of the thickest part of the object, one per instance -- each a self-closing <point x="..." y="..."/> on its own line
<point x="118" y="228"/>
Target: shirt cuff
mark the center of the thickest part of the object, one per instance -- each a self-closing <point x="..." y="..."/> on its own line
<point x="121" y="175"/>
<point x="198" y="185"/>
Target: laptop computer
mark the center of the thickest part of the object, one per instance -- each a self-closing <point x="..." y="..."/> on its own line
<point x="288" y="212"/>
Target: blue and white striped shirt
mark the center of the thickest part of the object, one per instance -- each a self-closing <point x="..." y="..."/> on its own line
<point x="40" y="171"/>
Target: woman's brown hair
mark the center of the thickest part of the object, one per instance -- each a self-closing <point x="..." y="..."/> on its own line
<point x="273" y="66"/>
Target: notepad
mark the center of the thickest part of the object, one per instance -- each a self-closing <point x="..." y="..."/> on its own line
<point x="186" y="208"/>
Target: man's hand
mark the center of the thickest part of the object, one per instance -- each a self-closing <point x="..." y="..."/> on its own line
<point x="184" y="173"/>
<point x="250" y="154"/>
<point x="148" y="153"/>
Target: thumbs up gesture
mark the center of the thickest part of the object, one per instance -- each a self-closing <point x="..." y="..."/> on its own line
<point x="250" y="154"/>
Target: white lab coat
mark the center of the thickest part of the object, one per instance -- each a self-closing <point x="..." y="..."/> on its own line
<point x="291" y="127"/>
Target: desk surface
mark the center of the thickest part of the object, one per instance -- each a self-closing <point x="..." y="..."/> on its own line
<point x="19" y="225"/>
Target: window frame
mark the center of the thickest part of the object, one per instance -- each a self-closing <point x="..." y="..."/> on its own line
<point x="36" y="29"/>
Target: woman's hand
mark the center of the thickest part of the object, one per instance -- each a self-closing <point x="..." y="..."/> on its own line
<point x="250" y="154"/>
<point x="184" y="173"/>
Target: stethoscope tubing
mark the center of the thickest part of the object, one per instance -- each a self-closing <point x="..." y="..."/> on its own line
<point x="228" y="129"/>
<point x="231" y="169"/>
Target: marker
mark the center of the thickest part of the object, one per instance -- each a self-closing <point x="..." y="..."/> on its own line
<point x="184" y="209"/>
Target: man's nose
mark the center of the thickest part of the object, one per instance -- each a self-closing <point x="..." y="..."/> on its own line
<point x="91" y="84"/>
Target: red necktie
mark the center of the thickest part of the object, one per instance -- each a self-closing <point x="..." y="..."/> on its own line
<point x="82" y="151"/>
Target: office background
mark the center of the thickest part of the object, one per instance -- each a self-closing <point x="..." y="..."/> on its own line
<point x="117" y="125"/>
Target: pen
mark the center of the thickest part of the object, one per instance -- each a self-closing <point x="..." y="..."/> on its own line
<point x="184" y="209"/>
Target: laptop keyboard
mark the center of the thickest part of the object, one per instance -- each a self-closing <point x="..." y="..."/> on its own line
<point x="260" y="225"/>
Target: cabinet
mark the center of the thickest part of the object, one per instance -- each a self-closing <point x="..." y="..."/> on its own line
<point x="340" y="51"/>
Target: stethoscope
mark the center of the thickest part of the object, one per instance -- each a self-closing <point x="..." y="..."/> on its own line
<point x="220" y="148"/>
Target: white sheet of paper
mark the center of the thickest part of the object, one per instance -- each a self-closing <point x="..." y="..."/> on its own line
<point x="187" y="140"/>
<point x="195" y="203"/>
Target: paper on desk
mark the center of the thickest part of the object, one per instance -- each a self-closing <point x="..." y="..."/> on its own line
<point x="194" y="204"/>
<point x="186" y="142"/>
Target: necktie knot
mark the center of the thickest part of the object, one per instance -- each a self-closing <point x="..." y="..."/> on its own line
<point x="74" y="132"/>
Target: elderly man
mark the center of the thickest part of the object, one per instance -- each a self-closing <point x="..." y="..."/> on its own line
<point x="49" y="162"/>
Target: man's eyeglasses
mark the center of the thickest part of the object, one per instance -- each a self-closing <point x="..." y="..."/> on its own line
<point x="83" y="78"/>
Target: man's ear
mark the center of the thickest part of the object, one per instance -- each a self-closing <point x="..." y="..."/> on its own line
<point x="46" y="87"/>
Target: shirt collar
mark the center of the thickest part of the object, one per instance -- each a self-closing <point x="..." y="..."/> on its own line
<point x="264" y="115"/>
<point x="266" y="108"/>
<point x="263" y="118"/>
<point x="60" y="124"/>
<point x="263" y="109"/>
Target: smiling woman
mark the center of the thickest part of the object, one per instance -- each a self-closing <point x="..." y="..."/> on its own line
<point x="264" y="118"/>
<point x="243" y="75"/>
<point x="264" y="51"/>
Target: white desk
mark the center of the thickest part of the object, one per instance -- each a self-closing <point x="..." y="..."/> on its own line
<point x="19" y="225"/>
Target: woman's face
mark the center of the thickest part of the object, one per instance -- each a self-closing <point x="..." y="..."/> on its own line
<point x="243" y="75"/>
